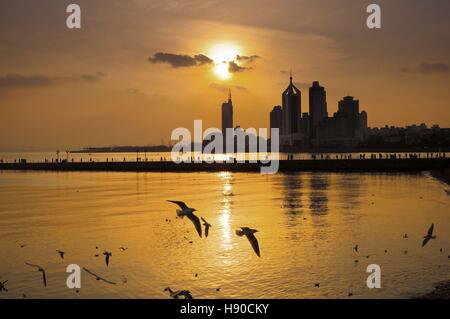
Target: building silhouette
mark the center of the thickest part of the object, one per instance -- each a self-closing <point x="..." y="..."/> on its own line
<point x="348" y="108"/>
<point x="291" y="110"/>
<point x="347" y="127"/>
<point x="276" y="116"/>
<point x="227" y="116"/>
<point x="317" y="107"/>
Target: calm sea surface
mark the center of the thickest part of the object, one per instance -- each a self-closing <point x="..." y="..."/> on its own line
<point x="308" y="225"/>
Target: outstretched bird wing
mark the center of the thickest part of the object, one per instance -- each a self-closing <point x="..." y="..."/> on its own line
<point x="207" y="225"/>
<point x="425" y="241"/>
<point x="430" y="231"/>
<point x="179" y="203"/>
<point x="31" y="265"/>
<point x="107" y="281"/>
<point x="196" y="221"/>
<point x="98" y="277"/>
<point x="252" y="239"/>
<point x="90" y="272"/>
<point x="44" y="279"/>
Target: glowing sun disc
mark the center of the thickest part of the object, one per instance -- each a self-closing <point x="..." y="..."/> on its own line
<point x="222" y="54"/>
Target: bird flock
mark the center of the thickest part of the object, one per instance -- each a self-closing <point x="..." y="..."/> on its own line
<point x="188" y="212"/>
<point x="61" y="254"/>
<point x="197" y="222"/>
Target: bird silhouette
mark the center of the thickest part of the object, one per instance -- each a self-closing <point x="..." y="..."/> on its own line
<point x="2" y="286"/>
<point x="42" y="270"/>
<point x="207" y="226"/>
<point x="355" y="248"/>
<point x="428" y="236"/>
<point x="249" y="233"/>
<point x="317" y="285"/>
<point x="179" y="294"/>
<point x="189" y="213"/>
<point x="107" y="255"/>
<point x="123" y="248"/>
<point x="61" y="253"/>
<point x="97" y="277"/>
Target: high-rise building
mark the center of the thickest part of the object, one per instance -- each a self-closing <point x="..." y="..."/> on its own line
<point x="317" y="107"/>
<point x="363" y="122"/>
<point x="227" y="114"/>
<point x="348" y="108"/>
<point x="276" y="116"/>
<point x="292" y="109"/>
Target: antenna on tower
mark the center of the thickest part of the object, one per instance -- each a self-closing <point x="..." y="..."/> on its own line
<point x="229" y="94"/>
<point x="290" y="75"/>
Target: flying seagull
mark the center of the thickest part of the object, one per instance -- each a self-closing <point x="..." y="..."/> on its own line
<point x="355" y="248"/>
<point x="184" y="294"/>
<point x="429" y="235"/>
<point x="123" y="248"/>
<point x="42" y="270"/>
<point x="2" y="286"/>
<point x="107" y="255"/>
<point x="61" y="253"/>
<point x="97" y="277"/>
<point x="189" y="213"/>
<point x="251" y="238"/>
<point x="207" y="226"/>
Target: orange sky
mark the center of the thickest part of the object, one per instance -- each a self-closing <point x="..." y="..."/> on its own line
<point x="62" y="88"/>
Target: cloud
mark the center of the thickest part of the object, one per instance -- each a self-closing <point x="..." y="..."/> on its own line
<point x="404" y="70"/>
<point x="438" y="67"/>
<point x="225" y="88"/>
<point x="91" y="77"/>
<point x="233" y="67"/>
<point x="19" y="80"/>
<point x="247" y="58"/>
<point x="180" y="60"/>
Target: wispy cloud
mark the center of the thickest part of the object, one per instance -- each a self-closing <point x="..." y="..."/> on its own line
<point x="180" y="60"/>
<point x="233" y="67"/>
<point x="437" y="67"/>
<point x="249" y="58"/>
<point x="225" y="88"/>
<point x="20" y="80"/>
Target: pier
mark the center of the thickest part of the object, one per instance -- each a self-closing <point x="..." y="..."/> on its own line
<point x="326" y="165"/>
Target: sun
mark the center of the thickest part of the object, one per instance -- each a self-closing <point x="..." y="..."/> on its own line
<point x="222" y="54"/>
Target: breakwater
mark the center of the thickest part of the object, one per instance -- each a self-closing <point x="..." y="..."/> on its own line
<point x="380" y="165"/>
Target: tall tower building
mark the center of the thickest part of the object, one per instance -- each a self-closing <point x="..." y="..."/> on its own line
<point x="292" y="109"/>
<point x="348" y="108"/>
<point x="317" y="107"/>
<point x="227" y="114"/>
<point x="276" y="116"/>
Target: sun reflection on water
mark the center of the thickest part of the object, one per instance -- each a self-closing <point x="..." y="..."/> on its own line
<point x="226" y="208"/>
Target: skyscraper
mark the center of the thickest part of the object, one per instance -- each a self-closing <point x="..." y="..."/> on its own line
<point x="348" y="108"/>
<point x="292" y="109"/>
<point x="317" y="107"/>
<point x="276" y="116"/>
<point x="227" y="114"/>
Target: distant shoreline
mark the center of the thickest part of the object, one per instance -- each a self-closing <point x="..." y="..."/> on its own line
<point x="163" y="149"/>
